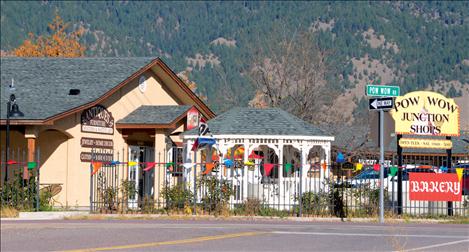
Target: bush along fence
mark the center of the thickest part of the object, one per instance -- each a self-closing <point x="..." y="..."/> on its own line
<point x="232" y="187"/>
<point x="19" y="186"/>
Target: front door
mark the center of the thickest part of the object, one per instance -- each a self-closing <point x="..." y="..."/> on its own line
<point x="143" y="180"/>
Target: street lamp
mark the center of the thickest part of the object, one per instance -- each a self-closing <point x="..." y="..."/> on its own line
<point x="12" y="111"/>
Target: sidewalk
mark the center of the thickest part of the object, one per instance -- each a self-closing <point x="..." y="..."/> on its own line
<point x="46" y="215"/>
<point x="84" y="215"/>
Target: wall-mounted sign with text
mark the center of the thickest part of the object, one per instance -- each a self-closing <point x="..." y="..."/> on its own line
<point x="96" y="157"/>
<point x="434" y="186"/>
<point x="425" y="143"/>
<point x="97" y="119"/>
<point x="426" y="113"/>
<point x="96" y="143"/>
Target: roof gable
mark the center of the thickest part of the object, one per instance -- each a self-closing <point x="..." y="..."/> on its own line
<point x="154" y="115"/>
<point x="253" y="121"/>
<point x="42" y="84"/>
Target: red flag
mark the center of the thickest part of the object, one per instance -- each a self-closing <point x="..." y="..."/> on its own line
<point x="268" y="169"/>
<point x="376" y="167"/>
<point x="11" y="162"/>
<point x="150" y="165"/>
<point x="253" y="155"/>
<point x="196" y="144"/>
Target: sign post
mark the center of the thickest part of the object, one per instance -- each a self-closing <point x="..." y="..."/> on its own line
<point x="381" y="162"/>
<point x="381" y="104"/>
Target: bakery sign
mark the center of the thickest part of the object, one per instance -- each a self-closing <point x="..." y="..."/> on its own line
<point x="97" y="119"/>
<point x="434" y="186"/>
<point x="426" y="113"/>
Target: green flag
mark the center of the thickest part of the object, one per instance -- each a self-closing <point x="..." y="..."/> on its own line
<point x="393" y="171"/>
<point x="32" y="165"/>
<point x="169" y="165"/>
<point x="288" y="167"/>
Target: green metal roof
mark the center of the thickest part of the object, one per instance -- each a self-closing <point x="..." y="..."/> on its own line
<point x="154" y="114"/>
<point x="253" y="121"/>
<point x="42" y="84"/>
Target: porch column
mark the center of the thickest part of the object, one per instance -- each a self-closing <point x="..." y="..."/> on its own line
<point x="30" y="135"/>
<point x="327" y="156"/>
<point x="304" y="165"/>
<point x="281" y="190"/>
<point x="188" y="158"/>
<point x="160" y="170"/>
<point x="245" y="170"/>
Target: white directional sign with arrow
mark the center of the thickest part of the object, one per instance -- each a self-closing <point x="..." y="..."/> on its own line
<point x="381" y="103"/>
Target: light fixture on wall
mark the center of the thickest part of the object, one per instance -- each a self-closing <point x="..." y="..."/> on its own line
<point x="13" y="111"/>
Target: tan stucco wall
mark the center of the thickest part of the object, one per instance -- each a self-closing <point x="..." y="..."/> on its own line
<point x="60" y="147"/>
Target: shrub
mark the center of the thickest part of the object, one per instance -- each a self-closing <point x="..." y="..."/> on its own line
<point x="314" y="203"/>
<point x="216" y="194"/>
<point x="252" y="207"/>
<point x="177" y="197"/>
<point x="8" y="212"/>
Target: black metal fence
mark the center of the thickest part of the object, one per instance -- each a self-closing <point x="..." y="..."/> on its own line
<point x="348" y="189"/>
<point x="19" y="187"/>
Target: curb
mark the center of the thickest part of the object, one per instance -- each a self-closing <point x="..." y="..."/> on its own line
<point x="45" y="215"/>
<point x="79" y="215"/>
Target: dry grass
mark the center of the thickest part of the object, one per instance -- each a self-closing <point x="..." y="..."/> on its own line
<point x="8" y="212"/>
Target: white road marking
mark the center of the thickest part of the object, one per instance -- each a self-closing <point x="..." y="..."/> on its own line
<point x="437" y="245"/>
<point x="368" y="235"/>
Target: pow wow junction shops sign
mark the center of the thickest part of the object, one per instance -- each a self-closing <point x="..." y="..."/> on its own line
<point x="434" y="186"/>
<point x="426" y="113"/>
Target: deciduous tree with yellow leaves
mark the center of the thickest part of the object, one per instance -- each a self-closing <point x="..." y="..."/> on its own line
<point x="58" y="44"/>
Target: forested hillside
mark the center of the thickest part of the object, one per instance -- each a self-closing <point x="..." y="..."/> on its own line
<point x="417" y="45"/>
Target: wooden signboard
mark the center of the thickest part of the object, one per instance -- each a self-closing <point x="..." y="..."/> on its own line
<point x="97" y="119"/>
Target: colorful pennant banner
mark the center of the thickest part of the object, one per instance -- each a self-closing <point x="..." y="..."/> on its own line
<point x="208" y="168"/>
<point x="249" y="163"/>
<point x="228" y="163"/>
<point x="376" y="167"/>
<point x="340" y="158"/>
<point x="32" y="165"/>
<point x="459" y="172"/>
<point x="393" y="170"/>
<point x="150" y="165"/>
<point x="443" y="169"/>
<point x="358" y="166"/>
<point x="324" y="166"/>
<point x="268" y="169"/>
<point x="96" y="166"/>
<point x="288" y="167"/>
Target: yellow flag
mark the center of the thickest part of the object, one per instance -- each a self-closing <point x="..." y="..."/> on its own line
<point x="132" y="163"/>
<point x="459" y="172"/>
<point x="358" y="166"/>
<point x="248" y="163"/>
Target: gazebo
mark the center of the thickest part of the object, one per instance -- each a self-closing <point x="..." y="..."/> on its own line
<point x="286" y="144"/>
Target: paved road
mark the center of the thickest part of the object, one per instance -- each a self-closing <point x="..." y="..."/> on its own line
<point x="218" y="235"/>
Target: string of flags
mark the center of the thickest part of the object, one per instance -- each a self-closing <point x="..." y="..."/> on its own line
<point x="394" y="169"/>
<point x="209" y="166"/>
<point x="30" y="165"/>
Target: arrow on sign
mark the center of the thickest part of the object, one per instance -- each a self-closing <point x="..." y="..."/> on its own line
<point x="374" y="103"/>
<point x="381" y="103"/>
